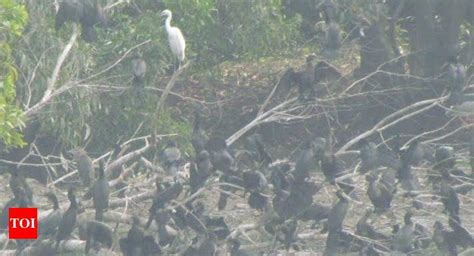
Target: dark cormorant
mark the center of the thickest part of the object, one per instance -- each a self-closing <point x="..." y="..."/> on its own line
<point x="306" y="80"/>
<point x="254" y="180"/>
<point x="200" y="171"/>
<point x="365" y="229"/>
<point x="99" y="191"/>
<point x="195" y="219"/>
<point x="333" y="168"/>
<point x="48" y="225"/>
<point x="132" y="244"/>
<point x="222" y="160"/>
<point x="338" y="213"/>
<point x="333" y="32"/>
<point x="162" y="198"/>
<point x="264" y="159"/>
<point x="97" y="232"/>
<point x="166" y="234"/>
<point x="379" y="194"/>
<point x="218" y="226"/>
<point x="281" y="205"/>
<point x="86" y="12"/>
<point x="416" y="153"/>
<point x="316" y="212"/>
<point x="288" y="230"/>
<point x="304" y="163"/>
<point x="68" y="221"/>
<point x="69" y="10"/>
<point x="18" y="201"/>
<point x="462" y="237"/>
<point x="18" y="181"/>
<point x="444" y="240"/>
<point x="257" y="201"/>
<point x="278" y="176"/>
<point x="449" y="197"/>
<point x="93" y="14"/>
<point x="444" y="158"/>
<point x="404" y="238"/>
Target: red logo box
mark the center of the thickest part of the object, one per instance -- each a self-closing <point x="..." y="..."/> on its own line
<point x="23" y="223"/>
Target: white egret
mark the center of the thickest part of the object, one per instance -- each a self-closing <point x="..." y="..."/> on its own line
<point x="175" y="37"/>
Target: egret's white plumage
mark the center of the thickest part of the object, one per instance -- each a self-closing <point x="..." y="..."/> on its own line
<point x="175" y="37"/>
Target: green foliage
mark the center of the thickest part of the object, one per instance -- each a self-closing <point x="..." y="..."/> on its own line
<point x="13" y="17"/>
<point x="218" y="30"/>
<point x="215" y="31"/>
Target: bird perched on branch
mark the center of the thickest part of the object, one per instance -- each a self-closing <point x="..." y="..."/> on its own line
<point x="444" y="239"/>
<point x="221" y="158"/>
<point x="379" y="194"/>
<point x="307" y="79"/>
<point x="88" y="13"/>
<point x="139" y="71"/>
<point x="68" y="10"/>
<point x="365" y="229"/>
<point x="84" y="165"/>
<point x="161" y="198"/>
<point x="462" y="235"/>
<point x="93" y="14"/>
<point x="175" y="37"/>
<point x="97" y="232"/>
<point x="199" y="171"/>
<point x="333" y="32"/>
<point x="338" y="213"/>
<point x="47" y="226"/>
<point x="404" y="237"/>
<point x="416" y="152"/>
<point x="68" y="221"/>
<point x="457" y="80"/>
<point x="99" y="191"/>
<point x="304" y="163"/>
<point x="18" y="181"/>
<point x="449" y="197"/>
<point x="444" y="158"/>
<point x="18" y="201"/>
<point x="135" y="242"/>
<point x="262" y="156"/>
<point x="130" y="245"/>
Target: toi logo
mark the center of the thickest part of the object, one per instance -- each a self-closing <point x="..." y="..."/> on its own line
<point x="23" y="223"/>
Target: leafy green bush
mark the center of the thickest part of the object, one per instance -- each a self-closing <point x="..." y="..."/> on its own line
<point x="13" y="17"/>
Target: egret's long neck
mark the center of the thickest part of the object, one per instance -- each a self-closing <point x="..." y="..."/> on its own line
<point x="168" y="23"/>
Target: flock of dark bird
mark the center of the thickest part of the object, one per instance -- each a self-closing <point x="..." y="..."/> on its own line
<point x="282" y="192"/>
